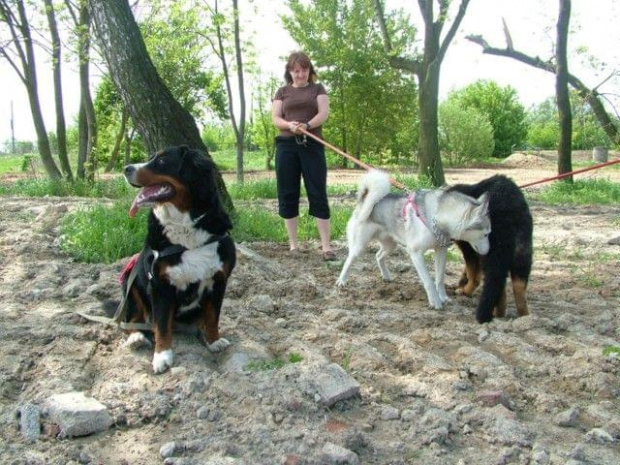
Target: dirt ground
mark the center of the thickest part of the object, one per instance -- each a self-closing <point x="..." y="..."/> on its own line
<point x="435" y="387"/>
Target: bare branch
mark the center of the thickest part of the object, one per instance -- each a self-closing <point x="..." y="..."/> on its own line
<point x="509" y="44"/>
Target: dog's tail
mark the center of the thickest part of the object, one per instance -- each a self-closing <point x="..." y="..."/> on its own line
<point x="372" y="188"/>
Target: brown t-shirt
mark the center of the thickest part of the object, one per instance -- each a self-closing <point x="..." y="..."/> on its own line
<point x="300" y="104"/>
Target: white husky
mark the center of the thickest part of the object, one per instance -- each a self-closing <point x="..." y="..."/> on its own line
<point x="423" y="220"/>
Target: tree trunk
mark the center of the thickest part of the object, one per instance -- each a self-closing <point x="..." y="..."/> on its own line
<point x="239" y="131"/>
<point x="28" y="75"/>
<point x="561" y="91"/>
<point x="117" y="143"/>
<point x="158" y="117"/>
<point x="90" y="126"/>
<point x="429" y="158"/>
<point x="61" y="131"/>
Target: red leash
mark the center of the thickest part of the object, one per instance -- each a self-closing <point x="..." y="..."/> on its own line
<point x="570" y="173"/>
<point x="395" y="183"/>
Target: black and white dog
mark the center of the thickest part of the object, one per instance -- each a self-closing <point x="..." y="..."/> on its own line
<point x="427" y="219"/>
<point x="188" y="255"/>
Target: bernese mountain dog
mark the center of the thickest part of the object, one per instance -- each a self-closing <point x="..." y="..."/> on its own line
<point x="188" y="255"/>
<point x="510" y="249"/>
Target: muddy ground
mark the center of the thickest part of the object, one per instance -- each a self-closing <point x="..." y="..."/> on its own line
<point x="435" y="387"/>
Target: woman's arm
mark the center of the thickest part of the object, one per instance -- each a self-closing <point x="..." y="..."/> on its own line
<point x="318" y="119"/>
<point x="278" y="120"/>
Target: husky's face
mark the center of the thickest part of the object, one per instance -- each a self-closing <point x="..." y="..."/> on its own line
<point x="478" y="226"/>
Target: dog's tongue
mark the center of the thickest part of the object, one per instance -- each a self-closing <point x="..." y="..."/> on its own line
<point x="143" y="197"/>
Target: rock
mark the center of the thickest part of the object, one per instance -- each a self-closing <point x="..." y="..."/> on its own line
<point x="336" y="455"/>
<point x="168" y="449"/>
<point x="567" y="418"/>
<point x="390" y="413"/>
<point x="599" y="436"/>
<point x="262" y="303"/>
<point x="78" y="415"/>
<point x="236" y="363"/>
<point x="493" y="398"/>
<point x="30" y="422"/>
<point x="333" y="384"/>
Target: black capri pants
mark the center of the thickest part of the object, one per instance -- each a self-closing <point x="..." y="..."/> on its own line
<point x="294" y="161"/>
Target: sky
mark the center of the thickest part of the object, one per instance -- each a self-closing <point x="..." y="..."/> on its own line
<point x="531" y="24"/>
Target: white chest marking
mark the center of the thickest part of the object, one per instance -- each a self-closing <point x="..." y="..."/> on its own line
<point x="179" y="227"/>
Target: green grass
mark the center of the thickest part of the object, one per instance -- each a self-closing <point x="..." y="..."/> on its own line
<point x="103" y="235"/>
<point x="257" y="223"/>
<point x="592" y="191"/>
<point x="226" y="160"/>
<point x="274" y="364"/>
<point x="110" y="188"/>
<point x="612" y="350"/>
<point x="11" y="163"/>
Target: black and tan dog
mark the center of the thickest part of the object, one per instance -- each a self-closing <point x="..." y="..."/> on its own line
<point x="188" y="254"/>
<point x="510" y="249"/>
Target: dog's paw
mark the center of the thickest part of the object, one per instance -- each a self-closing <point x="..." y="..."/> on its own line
<point x="137" y="340"/>
<point x="162" y="361"/>
<point x="219" y="345"/>
<point x="340" y="283"/>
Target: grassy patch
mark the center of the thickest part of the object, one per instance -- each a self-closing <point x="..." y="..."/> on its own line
<point x="11" y="163"/>
<point x="114" y="188"/>
<point x="274" y="364"/>
<point x="226" y="160"/>
<point x="256" y="223"/>
<point x="592" y="191"/>
<point x="612" y="350"/>
<point x="103" y="235"/>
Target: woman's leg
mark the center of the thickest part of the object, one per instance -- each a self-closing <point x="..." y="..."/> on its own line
<point x="314" y="171"/>
<point x="323" y="226"/>
<point x="291" y="229"/>
<point x="288" y="176"/>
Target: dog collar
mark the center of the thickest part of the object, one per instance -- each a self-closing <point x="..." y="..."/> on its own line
<point x="443" y="239"/>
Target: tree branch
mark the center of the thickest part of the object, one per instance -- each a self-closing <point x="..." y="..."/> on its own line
<point x="589" y="95"/>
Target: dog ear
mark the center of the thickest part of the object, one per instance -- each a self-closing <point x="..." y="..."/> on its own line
<point x="484" y="203"/>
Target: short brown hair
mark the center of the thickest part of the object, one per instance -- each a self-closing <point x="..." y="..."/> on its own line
<point x="301" y="59"/>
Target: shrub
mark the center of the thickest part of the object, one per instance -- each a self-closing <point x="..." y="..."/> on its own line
<point x="465" y="134"/>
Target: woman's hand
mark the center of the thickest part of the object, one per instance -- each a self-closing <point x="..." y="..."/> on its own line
<point x="293" y="126"/>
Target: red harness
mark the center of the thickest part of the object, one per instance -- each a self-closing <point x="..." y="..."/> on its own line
<point x="130" y="264"/>
<point x="416" y="209"/>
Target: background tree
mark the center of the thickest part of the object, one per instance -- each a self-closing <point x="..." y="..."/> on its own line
<point x="561" y="91"/>
<point x="19" y="53"/>
<point x="158" y="116"/>
<point x="502" y="108"/>
<point x="372" y="105"/>
<point x="427" y="68"/>
<point x="61" y="127"/>
<point x="591" y="95"/>
<point x="87" y="121"/>
<point x="263" y="130"/>
<point x="465" y="133"/>
<point x="543" y="125"/>
<point x="222" y="33"/>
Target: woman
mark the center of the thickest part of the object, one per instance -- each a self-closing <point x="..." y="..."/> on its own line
<point x="302" y="103"/>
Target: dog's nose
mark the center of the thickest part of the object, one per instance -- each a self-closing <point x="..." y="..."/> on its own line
<point x="129" y="169"/>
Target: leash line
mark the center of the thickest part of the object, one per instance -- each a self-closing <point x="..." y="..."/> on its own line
<point x="570" y="173"/>
<point x="399" y="185"/>
<point x="351" y="158"/>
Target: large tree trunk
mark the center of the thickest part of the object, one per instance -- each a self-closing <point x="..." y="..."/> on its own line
<point x="429" y="160"/>
<point x="90" y="120"/>
<point x="427" y="68"/>
<point x="561" y="91"/>
<point x="158" y="117"/>
<point x="61" y="128"/>
<point x="19" y="29"/>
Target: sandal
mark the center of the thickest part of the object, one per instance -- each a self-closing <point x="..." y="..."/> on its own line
<point x="329" y="256"/>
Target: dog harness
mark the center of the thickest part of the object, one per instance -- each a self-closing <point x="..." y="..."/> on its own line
<point x="443" y="239"/>
<point x="129" y="274"/>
